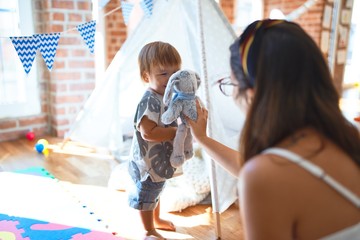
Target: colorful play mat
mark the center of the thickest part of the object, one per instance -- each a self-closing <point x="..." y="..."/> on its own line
<point x="34" y="205"/>
<point x="18" y="228"/>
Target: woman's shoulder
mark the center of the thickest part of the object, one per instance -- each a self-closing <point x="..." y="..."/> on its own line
<point x="263" y="164"/>
<point x="266" y="171"/>
<point x="272" y="175"/>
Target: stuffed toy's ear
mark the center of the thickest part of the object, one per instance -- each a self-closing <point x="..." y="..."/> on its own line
<point x="170" y="88"/>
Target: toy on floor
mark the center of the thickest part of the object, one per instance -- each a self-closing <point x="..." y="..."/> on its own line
<point x="30" y="136"/>
<point x="180" y="98"/>
<point x="42" y="146"/>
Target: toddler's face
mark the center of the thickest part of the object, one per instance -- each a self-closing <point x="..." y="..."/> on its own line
<point x="159" y="77"/>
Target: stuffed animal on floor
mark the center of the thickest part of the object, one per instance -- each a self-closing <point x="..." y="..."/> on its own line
<point x="180" y="98"/>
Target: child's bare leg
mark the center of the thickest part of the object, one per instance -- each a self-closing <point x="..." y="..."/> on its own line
<point x="147" y="218"/>
<point x="161" y="223"/>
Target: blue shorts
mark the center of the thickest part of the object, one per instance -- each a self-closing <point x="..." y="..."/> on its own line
<point x="145" y="195"/>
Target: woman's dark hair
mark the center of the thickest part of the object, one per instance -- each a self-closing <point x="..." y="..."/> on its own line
<point x="293" y="88"/>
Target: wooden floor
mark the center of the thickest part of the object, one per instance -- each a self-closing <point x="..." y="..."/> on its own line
<point x="195" y="222"/>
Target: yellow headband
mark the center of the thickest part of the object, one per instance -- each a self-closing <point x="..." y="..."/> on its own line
<point x="244" y="49"/>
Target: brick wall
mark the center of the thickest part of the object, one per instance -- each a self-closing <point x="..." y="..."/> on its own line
<point x="311" y="20"/>
<point x="115" y="30"/>
<point x="17" y="128"/>
<point x="342" y="41"/>
<point x="228" y="7"/>
<point x="72" y="79"/>
<point x="63" y="90"/>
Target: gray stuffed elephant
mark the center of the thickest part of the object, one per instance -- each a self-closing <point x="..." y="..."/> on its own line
<point x="180" y="98"/>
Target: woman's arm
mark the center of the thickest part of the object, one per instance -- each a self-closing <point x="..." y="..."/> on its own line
<point x="151" y="132"/>
<point x="227" y="157"/>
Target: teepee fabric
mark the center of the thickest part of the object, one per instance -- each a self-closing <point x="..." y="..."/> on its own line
<point x="112" y="105"/>
<point x="48" y="44"/>
<point x="87" y="32"/>
<point x="126" y="8"/>
<point x="26" y="48"/>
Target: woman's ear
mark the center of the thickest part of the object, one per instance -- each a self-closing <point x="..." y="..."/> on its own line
<point x="249" y="93"/>
<point x="245" y="101"/>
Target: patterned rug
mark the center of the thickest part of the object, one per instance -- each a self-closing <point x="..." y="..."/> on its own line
<point x="26" y="194"/>
<point x="18" y="228"/>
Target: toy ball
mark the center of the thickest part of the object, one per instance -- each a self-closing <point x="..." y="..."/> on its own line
<point x="30" y="136"/>
<point x="39" y="147"/>
<point x="45" y="152"/>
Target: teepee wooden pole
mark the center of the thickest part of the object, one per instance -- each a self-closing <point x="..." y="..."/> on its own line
<point x="214" y="192"/>
<point x="334" y="35"/>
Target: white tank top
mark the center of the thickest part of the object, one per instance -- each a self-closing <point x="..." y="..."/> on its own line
<point x="352" y="232"/>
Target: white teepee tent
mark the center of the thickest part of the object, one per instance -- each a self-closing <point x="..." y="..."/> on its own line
<point x="202" y="35"/>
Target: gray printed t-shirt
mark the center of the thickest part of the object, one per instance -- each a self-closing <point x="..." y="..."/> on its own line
<point x="150" y="158"/>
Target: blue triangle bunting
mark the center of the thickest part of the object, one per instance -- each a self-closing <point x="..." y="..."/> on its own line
<point x="126" y="9"/>
<point x="147" y="6"/>
<point x="48" y="44"/>
<point x="87" y="31"/>
<point x="26" y="48"/>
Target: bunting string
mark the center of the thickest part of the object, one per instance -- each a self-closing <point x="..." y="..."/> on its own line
<point x="47" y="43"/>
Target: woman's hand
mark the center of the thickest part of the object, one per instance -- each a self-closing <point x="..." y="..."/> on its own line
<point x="229" y="158"/>
<point x="198" y="127"/>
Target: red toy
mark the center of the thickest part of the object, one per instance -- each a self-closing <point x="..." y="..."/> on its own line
<point x="30" y="136"/>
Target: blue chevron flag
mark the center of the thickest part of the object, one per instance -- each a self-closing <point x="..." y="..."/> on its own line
<point x="26" y="48"/>
<point x="147" y="6"/>
<point x="48" y="44"/>
<point x="87" y="31"/>
<point x="126" y="8"/>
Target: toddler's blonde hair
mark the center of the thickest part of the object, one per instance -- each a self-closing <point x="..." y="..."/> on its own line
<point x="159" y="54"/>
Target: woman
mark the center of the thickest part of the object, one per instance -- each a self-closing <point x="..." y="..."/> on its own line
<point x="299" y="157"/>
